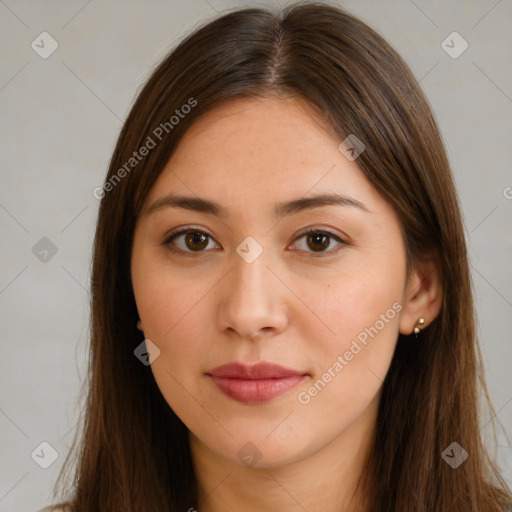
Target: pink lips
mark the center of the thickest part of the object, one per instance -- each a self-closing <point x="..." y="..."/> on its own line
<point x="255" y="384"/>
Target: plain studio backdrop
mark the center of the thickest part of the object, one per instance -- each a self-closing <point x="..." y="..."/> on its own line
<point x="69" y="73"/>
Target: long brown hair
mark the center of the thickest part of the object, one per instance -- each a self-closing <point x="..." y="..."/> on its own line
<point x="132" y="451"/>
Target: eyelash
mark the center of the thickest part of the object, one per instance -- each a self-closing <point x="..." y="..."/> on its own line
<point x="169" y="239"/>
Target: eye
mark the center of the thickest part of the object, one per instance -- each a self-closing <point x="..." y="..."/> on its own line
<point x="319" y="240"/>
<point x="190" y="241"/>
<point x="196" y="241"/>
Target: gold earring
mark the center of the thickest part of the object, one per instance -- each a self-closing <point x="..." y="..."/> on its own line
<point x="419" y="326"/>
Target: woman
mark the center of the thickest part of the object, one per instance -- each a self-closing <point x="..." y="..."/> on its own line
<point x="282" y="316"/>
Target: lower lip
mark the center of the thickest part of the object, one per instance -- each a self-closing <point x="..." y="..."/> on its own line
<point x="256" y="391"/>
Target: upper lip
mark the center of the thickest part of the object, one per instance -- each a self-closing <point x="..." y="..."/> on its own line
<point x="263" y="370"/>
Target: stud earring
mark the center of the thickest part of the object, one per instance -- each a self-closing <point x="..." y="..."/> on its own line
<point x="419" y="326"/>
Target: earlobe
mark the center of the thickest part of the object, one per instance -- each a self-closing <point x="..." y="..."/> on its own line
<point x="423" y="296"/>
<point x="420" y="324"/>
<point x="139" y="326"/>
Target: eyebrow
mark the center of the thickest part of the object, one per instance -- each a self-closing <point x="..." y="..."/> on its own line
<point x="202" y="205"/>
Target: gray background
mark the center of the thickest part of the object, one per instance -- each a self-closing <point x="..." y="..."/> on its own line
<point x="60" y="118"/>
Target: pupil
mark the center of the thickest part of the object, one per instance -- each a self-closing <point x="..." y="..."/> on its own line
<point x="199" y="238"/>
<point x="319" y="238"/>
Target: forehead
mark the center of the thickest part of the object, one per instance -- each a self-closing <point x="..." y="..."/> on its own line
<point x="263" y="149"/>
<point x="250" y="132"/>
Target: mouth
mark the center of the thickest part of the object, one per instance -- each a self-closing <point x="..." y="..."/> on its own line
<point x="255" y="384"/>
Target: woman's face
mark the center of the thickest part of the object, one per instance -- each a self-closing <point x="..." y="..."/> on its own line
<point x="244" y="285"/>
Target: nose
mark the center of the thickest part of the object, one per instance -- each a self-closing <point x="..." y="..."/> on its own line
<point x="253" y="300"/>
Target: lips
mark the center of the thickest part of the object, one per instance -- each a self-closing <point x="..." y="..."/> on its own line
<point x="255" y="384"/>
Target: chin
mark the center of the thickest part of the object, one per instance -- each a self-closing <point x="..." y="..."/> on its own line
<point x="261" y="452"/>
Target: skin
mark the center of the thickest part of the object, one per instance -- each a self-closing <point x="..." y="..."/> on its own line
<point x="207" y="306"/>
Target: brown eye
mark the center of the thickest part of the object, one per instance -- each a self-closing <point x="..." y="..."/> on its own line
<point x="188" y="241"/>
<point x="318" y="241"/>
<point x="196" y="240"/>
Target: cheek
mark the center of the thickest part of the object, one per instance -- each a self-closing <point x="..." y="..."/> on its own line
<point x="359" y="313"/>
<point x="171" y="307"/>
<point x="164" y="297"/>
<point x="349" y="366"/>
<point x="175" y="319"/>
<point x="173" y="316"/>
<point x="351" y="301"/>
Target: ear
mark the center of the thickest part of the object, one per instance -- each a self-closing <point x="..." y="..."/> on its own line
<point x="423" y="294"/>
